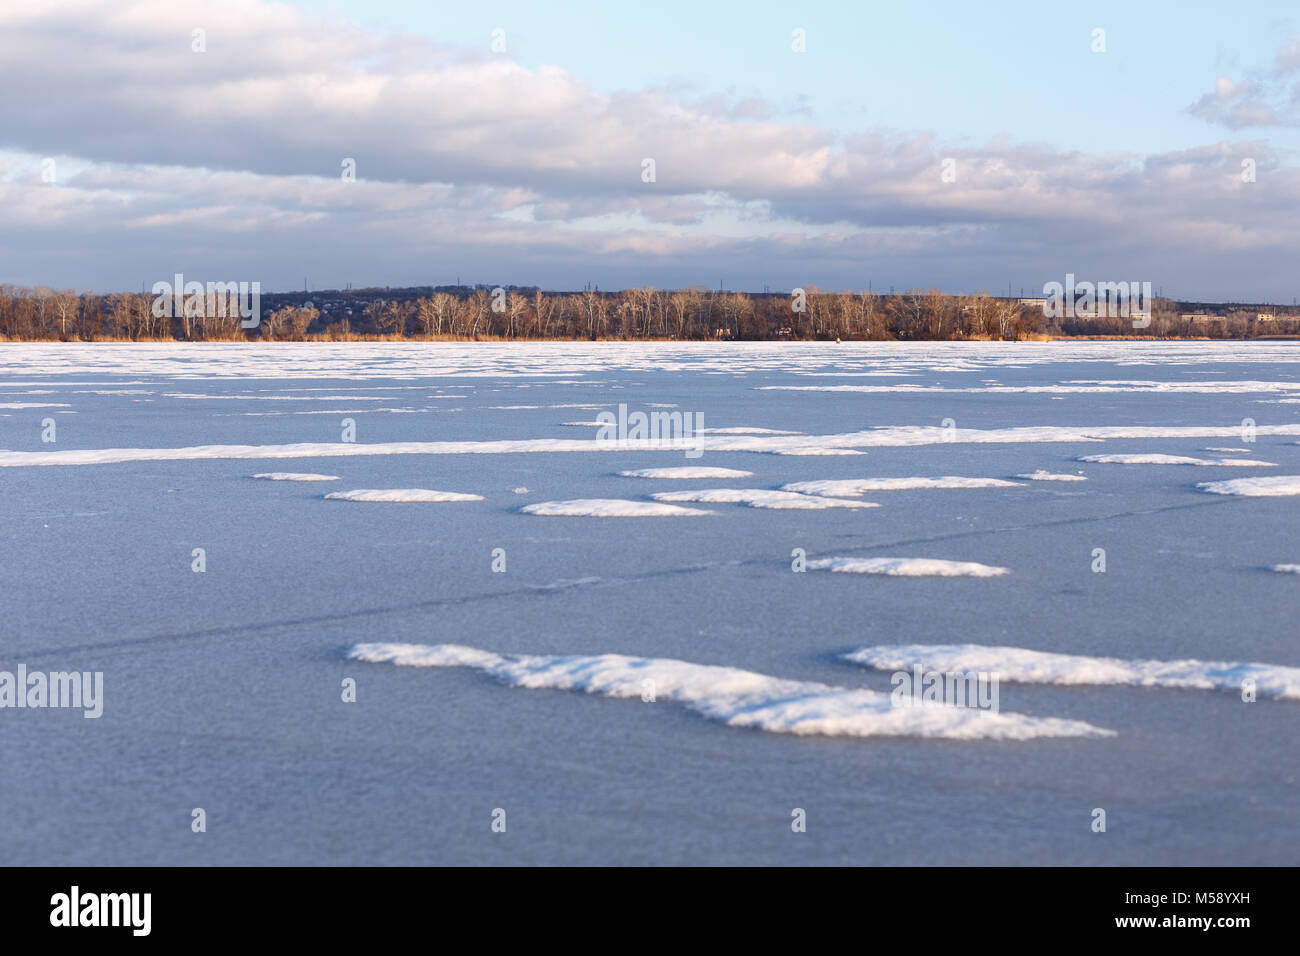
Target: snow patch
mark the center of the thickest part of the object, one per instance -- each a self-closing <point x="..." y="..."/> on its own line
<point x="1153" y="459"/>
<point x="295" y="476"/>
<point x="844" y="444"/>
<point x="761" y="498"/>
<point x="734" y="697"/>
<point x="817" y="451"/>
<point x="401" y="494"/>
<point x="1041" y="475"/>
<point x="1041" y="667"/>
<point x="853" y="487"/>
<point x="909" y="567"/>
<point x="1275" y="486"/>
<point x="744" y="430"/>
<point x="607" y="508"/>
<point x="687" y="471"/>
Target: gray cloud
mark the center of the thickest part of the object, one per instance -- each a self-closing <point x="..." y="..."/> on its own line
<point x="229" y="161"/>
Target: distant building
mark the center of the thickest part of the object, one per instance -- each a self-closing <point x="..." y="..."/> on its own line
<point x="1202" y="317"/>
<point x="1265" y="316"/>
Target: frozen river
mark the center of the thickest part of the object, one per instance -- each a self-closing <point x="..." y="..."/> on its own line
<point x="628" y="668"/>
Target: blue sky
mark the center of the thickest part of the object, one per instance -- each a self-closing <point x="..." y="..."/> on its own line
<point x="968" y="71"/>
<point x="957" y="145"/>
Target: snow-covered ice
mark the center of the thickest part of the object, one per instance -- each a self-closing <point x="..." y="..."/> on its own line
<point x="687" y="472"/>
<point x="235" y="674"/>
<point x="909" y="567"/>
<point x="1041" y="667"/>
<point x="295" y="476"/>
<point x="608" y="508"/>
<point x="1157" y="459"/>
<point x="735" y="697"/>
<point x="853" y="487"/>
<point x="901" y="436"/>
<point x="401" y="494"/>
<point x="1042" y="475"/>
<point x="1274" y="486"/>
<point x="761" y="498"/>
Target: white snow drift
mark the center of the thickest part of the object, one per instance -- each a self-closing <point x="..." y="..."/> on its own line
<point x="737" y="698"/>
<point x="908" y="567"/>
<point x="401" y="494"/>
<point x="853" y="487"/>
<point x="1041" y="667"/>
<point x="897" y="436"/>
<point x="1154" y="459"/>
<point x="607" y="508"/>
<point x="688" y="472"/>
<point x="1275" y="486"/>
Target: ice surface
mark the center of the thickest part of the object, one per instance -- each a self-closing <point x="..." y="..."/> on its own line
<point x="1041" y="475"/>
<point x="1154" y="459"/>
<point x="761" y="498"/>
<point x="853" y="487"/>
<point x="1063" y="388"/>
<point x="98" y="576"/>
<point x="885" y="437"/>
<point x="687" y="471"/>
<point x="815" y="452"/>
<point x="295" y="476"/>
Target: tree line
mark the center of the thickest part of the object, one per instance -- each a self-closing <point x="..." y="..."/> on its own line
<point x="43" y="314"/>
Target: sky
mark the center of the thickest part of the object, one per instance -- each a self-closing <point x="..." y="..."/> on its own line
<point x="744" y="145"/>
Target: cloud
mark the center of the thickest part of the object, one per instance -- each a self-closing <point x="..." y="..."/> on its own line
<point x="1272" y="98"/>
<point x="469" y="163"/>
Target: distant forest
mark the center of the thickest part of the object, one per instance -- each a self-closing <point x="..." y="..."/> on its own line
<point x="512" y="313"/>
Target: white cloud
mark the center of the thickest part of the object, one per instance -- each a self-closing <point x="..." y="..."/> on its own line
<point x="469" y="162"/>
